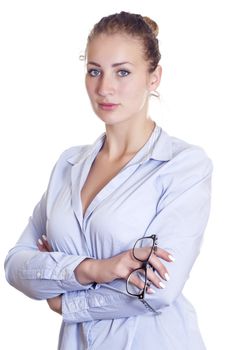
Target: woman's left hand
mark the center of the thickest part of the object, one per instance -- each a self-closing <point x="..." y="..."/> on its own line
<point x="43" y="244"/>
<point x="55" y="303"/>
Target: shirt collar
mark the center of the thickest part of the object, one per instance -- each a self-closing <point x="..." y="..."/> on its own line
<point x="162" y="147"/>
<point x="158" y="147"/>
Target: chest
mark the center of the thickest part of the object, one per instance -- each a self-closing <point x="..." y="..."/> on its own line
<point x="100" y="174"/>
<point x="120" y="202"/>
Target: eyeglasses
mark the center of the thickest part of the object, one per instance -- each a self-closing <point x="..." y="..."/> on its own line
<point x="141" y="272"/>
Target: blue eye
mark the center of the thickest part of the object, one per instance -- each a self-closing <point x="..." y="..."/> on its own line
<point x="123" y="73"/>
<point x="94" y="72"/>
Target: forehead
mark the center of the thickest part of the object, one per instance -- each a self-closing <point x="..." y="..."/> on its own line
<point x="110" y="48"/>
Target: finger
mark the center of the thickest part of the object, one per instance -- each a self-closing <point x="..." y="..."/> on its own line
<point x="139" y="283"/>
<point x="136" y="284"/>
<point x="164" y="254"/>
<point x="46" y="243"/>
<point x="154" y="279"/>
<point x="157" y="265"/>
<point x="41" y="246"/>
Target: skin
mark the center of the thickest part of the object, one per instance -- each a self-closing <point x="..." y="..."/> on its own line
<point x="118" y="73"/>
<point x="129" y="85"/>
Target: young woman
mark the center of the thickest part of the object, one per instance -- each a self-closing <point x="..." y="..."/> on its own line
<point x="113" y="239"/>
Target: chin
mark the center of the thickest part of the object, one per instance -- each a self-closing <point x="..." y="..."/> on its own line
<point x="113" y="120"/>
<point x="108" y="121"/>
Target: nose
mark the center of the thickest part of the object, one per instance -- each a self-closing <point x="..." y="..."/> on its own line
<point x="105" y="86"/>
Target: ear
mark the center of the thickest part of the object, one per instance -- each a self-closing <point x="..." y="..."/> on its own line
<point x="155" y="78"/>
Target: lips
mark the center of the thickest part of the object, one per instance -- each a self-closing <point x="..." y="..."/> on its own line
<point x="108" y="106"/>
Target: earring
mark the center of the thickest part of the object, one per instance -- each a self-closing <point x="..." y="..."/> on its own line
<point x="155" y="94"/>
<point x="82" y="57"/>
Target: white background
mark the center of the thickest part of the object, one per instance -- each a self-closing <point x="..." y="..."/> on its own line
<point x="44" y="109"/>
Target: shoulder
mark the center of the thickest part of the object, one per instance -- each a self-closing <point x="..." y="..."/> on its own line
<point x="72" y="154"/>
<point x="65" y="161"/>
<point x="61" y="172"/>
<point x="188" y="168"/>
<point x="75" y="154"/>
<point x="186" y="155"/>
<point x="186" y="163"/>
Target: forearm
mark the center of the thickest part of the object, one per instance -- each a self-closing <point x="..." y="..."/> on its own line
<point x="110" y="301"/>
<point x="97" y="270"/>
<point x="42" y="275"/>
<point x="100" y="304"/>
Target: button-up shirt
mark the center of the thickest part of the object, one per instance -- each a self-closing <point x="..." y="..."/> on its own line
<point x="164" y="190"/>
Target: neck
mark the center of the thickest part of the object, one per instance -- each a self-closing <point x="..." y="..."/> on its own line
<point x="126" y="140"/>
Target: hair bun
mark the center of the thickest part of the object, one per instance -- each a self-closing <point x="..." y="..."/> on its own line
<point x="152" y="24"/>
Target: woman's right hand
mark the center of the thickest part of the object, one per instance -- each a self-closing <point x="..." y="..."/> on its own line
<point x="120" y="266"/>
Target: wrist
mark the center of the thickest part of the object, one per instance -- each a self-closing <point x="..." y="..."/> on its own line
<point x="84" y="271"/>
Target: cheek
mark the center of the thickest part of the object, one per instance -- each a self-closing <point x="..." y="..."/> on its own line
<point x="86" y="83"/>
<point x="135" y="91"/>
<point x="89" y="86"/>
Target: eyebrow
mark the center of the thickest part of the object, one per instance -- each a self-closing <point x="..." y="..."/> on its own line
<point x="113" y="65"/>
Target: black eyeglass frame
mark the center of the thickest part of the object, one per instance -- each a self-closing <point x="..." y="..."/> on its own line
<point x="143" y="267"/>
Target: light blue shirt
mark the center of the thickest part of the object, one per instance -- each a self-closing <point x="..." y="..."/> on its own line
<point x="164" y="189"/>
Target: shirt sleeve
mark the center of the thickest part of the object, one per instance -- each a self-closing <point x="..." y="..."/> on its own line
<point x="40" y="275"/>
<point x="180" y="221"/>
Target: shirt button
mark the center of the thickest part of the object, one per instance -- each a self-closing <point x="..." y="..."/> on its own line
<point x="64" y="274"/>
<point x="38" y="274"/>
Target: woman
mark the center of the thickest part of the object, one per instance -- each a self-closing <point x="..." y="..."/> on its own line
<point x="113" y="239"/>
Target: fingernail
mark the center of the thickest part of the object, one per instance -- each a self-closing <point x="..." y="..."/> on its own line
<point x="40" y="241"/>
<point x="44" y="237"/>
<point x="150" y="291"/>
<point x="171" y="258"/>
<point x="162" y="285"/>
<point x="167" y="277"/>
